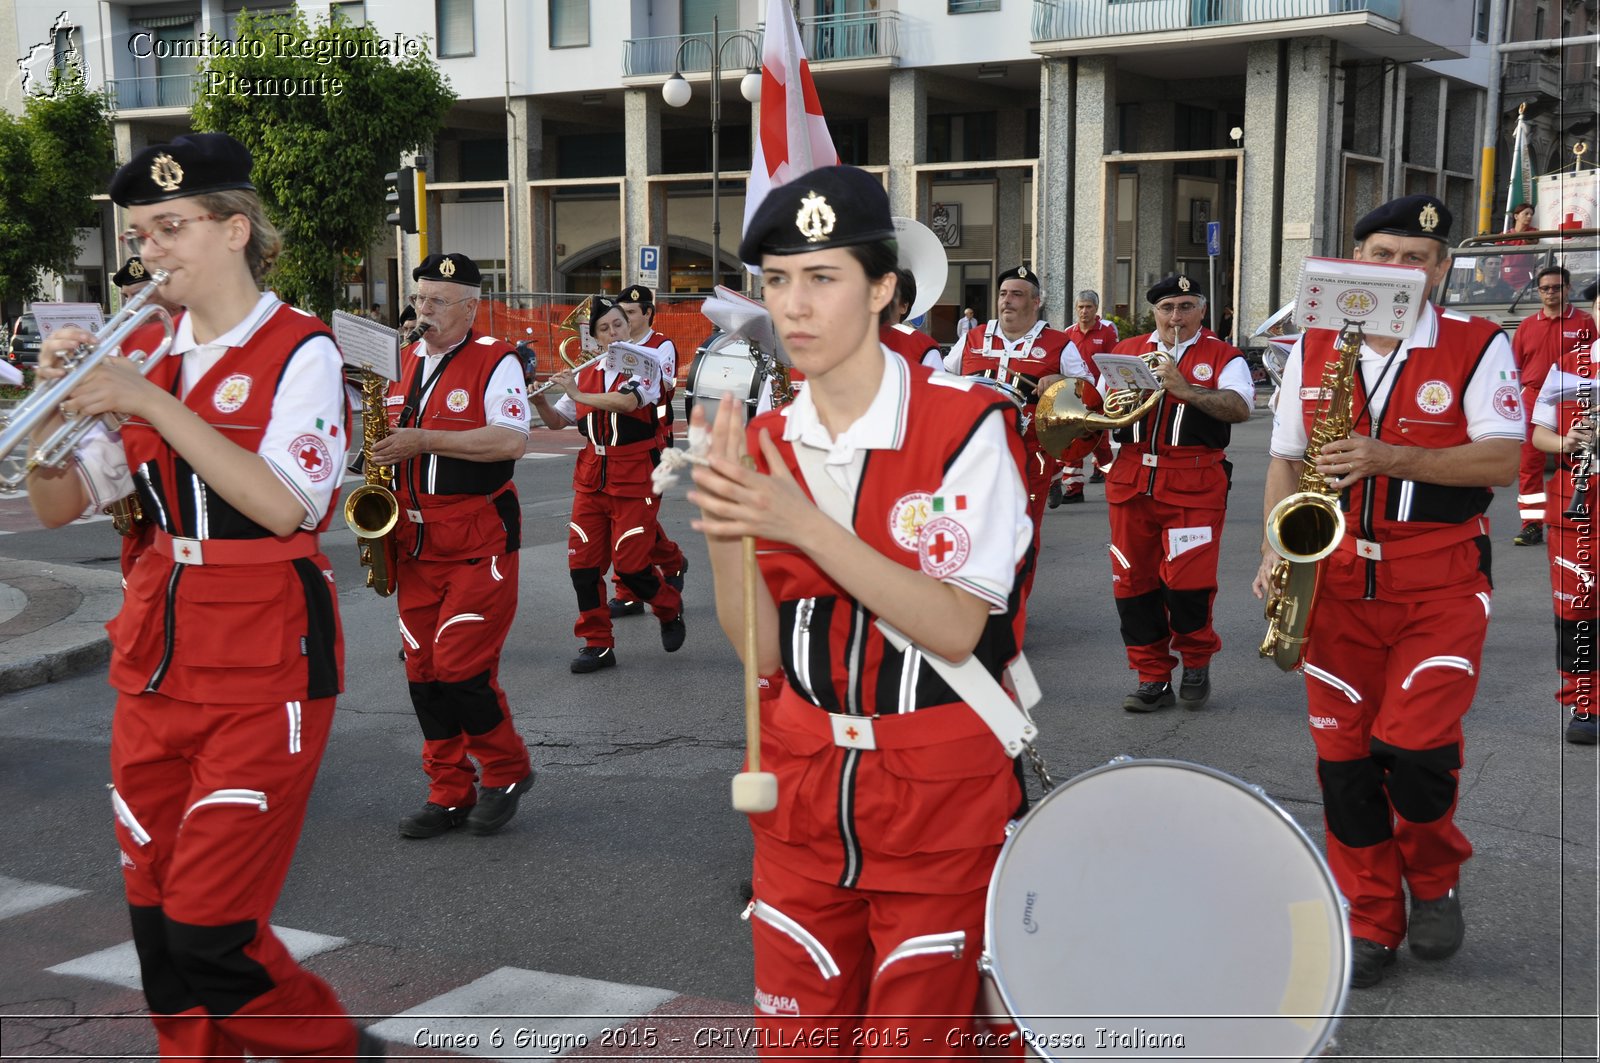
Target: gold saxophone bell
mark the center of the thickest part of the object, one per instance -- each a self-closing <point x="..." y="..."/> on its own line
<point x="371" y="510"/>
<point x="570" y="324"/>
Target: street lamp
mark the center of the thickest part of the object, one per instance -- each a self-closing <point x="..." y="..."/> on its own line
<point x="676" y="92"/>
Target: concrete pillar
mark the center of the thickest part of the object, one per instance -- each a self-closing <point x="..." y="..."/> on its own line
<point x="1308" y="179"/>
<point x="642" y="134"/>
<point x="1260" y="226"/>
<point x="1095" y="119"/>
<point x="1014" y="240"/>
<point x="530" y="251"/>
<point x="1053" y="188"/>
<point x="1155" y="241"/>
<point x="908" y="138"/>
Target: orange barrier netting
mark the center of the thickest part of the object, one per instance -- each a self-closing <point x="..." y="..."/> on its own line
<point x="682" y="323"/>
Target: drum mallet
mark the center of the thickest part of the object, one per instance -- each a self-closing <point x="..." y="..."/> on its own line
<point x="754" y="790"/>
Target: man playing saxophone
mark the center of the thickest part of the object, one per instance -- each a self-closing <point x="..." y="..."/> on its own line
<point x="1403" y="606"/>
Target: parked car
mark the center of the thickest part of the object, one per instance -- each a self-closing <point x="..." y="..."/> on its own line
<point x="25" y="341"/>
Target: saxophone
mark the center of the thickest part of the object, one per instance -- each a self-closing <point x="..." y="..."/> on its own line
<point x="371" y="509"/>
<point x="1306" y="526"/>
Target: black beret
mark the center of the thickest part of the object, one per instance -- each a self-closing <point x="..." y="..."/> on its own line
<point x="1021" y="273"/>
<point x="1589" y="293"/>
<point x="1173" y="284"/>
<point x="191" y="165"/>
<point x="637" y="293"/>
<point x="132" y="272"/>
<point x="407" y="316"/>
<point x="452" y="268"/>
<point x="836" y="206"/>
<point x="599" y="307"/>
<point x="1419" y="215"/>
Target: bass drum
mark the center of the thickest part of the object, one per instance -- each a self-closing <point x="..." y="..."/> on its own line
<point x="1009" y="391"/>
<point x="729" y="370"/>
<point x="1156" y="908"/>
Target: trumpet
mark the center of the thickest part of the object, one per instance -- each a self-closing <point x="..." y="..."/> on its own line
<point x="46" y="399"/>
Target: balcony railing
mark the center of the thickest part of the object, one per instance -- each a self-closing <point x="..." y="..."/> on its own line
<point x="867" y="35"/>
<point x="168" y="90"/>
<point x="1058" y="20"/>
<point x="1578" y="97"/>
<point x="1532" y="75"/>
<point x="826" y="38"/>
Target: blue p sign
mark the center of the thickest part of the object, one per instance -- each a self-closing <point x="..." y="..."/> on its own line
<point x="648" y="258"/>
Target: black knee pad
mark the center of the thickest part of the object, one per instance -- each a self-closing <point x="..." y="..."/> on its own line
<point x="586" y="581"/>
<point x="433" y="714"/>
<point x="213" y="962"/>
<point x="1575" y="645"/>
<point x="1421" y="782"/>
<point x="473" y="704"/>
<point x="1190" y="609"/>
<point x="645" y="584"/>
<point x="1353" y="802"/>
<point x="1144" y="619"/>
<point x="164" y="988"/>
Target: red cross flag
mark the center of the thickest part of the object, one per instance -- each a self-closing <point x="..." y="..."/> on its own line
<point x="792" y="138"/>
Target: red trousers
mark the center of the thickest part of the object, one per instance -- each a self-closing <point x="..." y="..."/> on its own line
<point x="454" y="616"/>
<point x="1530" y="473"/>
<point x="609" y="530"/>
<point x="1164" y="579"/>
<point x="666" y="557"/>
<point x="1075" y="476"/>
<point x="1387" y="684"/>
<point x="209" y="800"/>
<point x="1572" y="552"/>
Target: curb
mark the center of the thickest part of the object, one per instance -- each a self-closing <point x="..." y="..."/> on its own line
<point x="60" y="632"/>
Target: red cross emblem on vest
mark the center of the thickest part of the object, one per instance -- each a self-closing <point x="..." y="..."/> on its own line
<point x="940" y="547"/>
<point x="187" y="551"/>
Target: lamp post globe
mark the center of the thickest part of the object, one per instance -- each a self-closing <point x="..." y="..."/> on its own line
<point x="676" y="91"/>
<point x="750" y="86"/>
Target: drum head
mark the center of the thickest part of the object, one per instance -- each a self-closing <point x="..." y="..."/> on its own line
<point x="1160" y="908"/>
<point x="728" y="370"/>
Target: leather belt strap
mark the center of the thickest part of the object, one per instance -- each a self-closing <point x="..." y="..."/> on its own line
<point x="1426" y="543"/>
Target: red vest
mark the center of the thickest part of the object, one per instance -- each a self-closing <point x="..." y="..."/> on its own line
<point x="1541" y="342"/>
<point x="1577" y="370"/>
<point x="1040" y="357"/>
<point x="226" y="633"/>
<point x="1099" y="340"/>
<point x="468" y="508"/>
<point x="1424" y="410"/>
<point x="669" y="387"/>
<point x="1185" y="444"/>
<point x="910" y="343"/>
<point x="622" y="448"/>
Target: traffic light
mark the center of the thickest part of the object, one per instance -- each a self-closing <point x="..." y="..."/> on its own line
<point x="402" y="198"/>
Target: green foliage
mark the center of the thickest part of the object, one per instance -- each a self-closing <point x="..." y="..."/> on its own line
<point x="1125" y="328"/>
<point x="18" y="391"/>
<point x="52" y="159"/>
<point x="345" y="107"/>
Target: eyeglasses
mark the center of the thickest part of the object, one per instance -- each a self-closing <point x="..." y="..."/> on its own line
<point x="1552" y="287"/>
<point x="1177" y="308"/>
<point x="165" y="233"/>
<point x="429" y="302"/>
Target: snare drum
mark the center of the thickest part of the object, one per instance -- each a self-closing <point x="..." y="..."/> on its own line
<point x="731" y="370"/>
<point x="1160" y="908"/>
<point x="1008" y="390"/>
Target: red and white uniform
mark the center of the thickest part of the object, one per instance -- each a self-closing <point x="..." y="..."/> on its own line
<point x="665" y="555"/>
<point x="1168" y="496"/>
<point x="914" y="345"/>
<point x="1397" y="637"/>
<point x="613" y="507"/>
<point x="458" y="538"/>
<point x="227" y="655"/>
<point x="1539" y="343"/>
<point x="893" y="796"/>
<point x="1101" y="338"/>
<point x="1568" y="398"/>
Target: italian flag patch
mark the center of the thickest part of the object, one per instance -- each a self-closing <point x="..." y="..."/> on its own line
<point x="949" y="503"/>
<point x="331" y="429"/>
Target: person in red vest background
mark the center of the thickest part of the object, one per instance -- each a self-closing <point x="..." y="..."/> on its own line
<point x="1541" y="341"/>
<point x="1092" y="335"/>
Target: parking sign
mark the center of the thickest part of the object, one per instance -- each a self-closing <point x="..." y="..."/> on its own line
<point x="650" y="266"/>
<point x="1213" y="238"/>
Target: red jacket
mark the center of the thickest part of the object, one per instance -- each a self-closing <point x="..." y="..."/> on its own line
<point x="1540" y="342"/>
<point x="622" y="448"/>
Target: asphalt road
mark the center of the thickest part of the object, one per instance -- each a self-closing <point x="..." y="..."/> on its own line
<point x="625" y="863"/>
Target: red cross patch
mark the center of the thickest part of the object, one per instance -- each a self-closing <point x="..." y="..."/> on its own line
<point x="311" y="454"/>
<point x="943" y="547"/>
<point x="512" y="409"/>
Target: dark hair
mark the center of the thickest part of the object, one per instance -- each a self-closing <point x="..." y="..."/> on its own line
<point x="265" y="243"/>
<point x="905" y="291"/>
<point x="878" y="259"/>
<point x="1566" y="278"/>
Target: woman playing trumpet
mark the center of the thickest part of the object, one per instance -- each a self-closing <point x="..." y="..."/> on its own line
<point x="227" y="654"/>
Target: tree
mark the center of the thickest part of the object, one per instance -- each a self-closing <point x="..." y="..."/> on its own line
<point x="53" y="158"/>
<point x="326" y="110"/>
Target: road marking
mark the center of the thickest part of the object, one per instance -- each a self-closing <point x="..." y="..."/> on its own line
<point x="18" y="897"/>
<point x="571" y="1012"/>
<point x="119" y="964"/>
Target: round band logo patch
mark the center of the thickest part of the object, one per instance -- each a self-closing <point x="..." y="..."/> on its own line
<point x="512" y="409"/>
<point x="907" y="517"/>
<point x="232" y="393"/>
<point x="311" y="454"/>
<point x="1038" y="354"/>
<point x="943" y="547"/>
<point x="1434" y="397"/>
<point x="1202" y="371"/>
<point x="1507" y="404"/>
<point x="457" y="400"/>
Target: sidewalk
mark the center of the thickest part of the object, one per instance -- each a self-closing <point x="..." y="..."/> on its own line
<point x="52" y="620"/>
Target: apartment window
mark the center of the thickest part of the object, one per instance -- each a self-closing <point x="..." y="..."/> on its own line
<point x="261" y="14"/>
<point x="455" y="28"/>
<point x="569" y="23"/>
<point x="353" y="13"/>
<point x="696" y="15"/>
<point x="967" y="7"/>
<point x="1480" y="21"/>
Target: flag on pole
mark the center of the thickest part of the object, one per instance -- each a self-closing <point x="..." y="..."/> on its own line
<point x="791" y="138"/>
<point x="1523" y="189"/>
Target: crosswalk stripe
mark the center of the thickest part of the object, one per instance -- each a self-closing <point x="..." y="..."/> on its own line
<point x="119" y="964"/>
<point x="18" y="897"/>
<point x="554" y="1014"/>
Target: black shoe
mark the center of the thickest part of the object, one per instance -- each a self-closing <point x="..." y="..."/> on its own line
<point x="673" y="633"/>
<point x="1149" y="697"/>
<point x="1055" y="495"/>
<point x="1098" y="477"/>
<point x="1532" y="534"/>
<point x="432" y="820"/>
<point x="1195" y="690"/>
<point x="1367" y="961"/>
<point x="619" y="608"/>
<point x="675" y="580"/>
<point x="1436" y="927"/>
<point x="594" y="658"/>
<point x="497" y="804"/>
<point x="1583" y="729"/>
<point x="1075" y="496"/>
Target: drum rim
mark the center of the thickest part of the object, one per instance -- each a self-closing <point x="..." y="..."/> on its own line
<point x="756" y="378"/>
<point x="990" y="967"/>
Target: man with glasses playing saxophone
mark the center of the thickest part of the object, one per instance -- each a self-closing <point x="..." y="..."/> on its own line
<point x="1403" y="605"/>
<point x="458" y="423"/>
<point x="1168" y="495"/>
